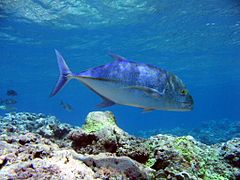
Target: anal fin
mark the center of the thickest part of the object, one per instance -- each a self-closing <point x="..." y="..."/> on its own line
<point x="147" y="110"/>
<point x="106" y="103"/>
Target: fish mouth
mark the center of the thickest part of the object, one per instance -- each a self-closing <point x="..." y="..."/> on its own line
<point x="187" y="105"/>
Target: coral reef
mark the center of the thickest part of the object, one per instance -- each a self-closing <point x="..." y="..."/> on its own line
<point x="217" y="131"/>
<point x="231" y="152"/>
<point x="36" y="146"/>
<point x="32" y="157"/>
<point x="101" y="134"/>
<point x="209" y="132"/>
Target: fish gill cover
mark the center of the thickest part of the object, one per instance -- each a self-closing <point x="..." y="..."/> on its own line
<point x="199" y="41"/>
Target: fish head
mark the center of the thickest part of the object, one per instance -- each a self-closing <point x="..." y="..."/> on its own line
<point x="177" y="96"/>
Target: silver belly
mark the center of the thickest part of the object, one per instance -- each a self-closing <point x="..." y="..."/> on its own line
<point x="119" y="94"/>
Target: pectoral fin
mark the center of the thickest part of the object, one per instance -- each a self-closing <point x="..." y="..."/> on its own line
<point x="148" y="91"/>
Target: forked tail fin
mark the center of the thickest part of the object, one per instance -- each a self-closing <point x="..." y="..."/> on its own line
<point x="64" y="76"/>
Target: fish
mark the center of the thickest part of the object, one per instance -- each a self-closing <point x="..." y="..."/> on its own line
<point x="7" y="108"/>
<point x="125" y="82"/>
<point x="9" y="101"/>
<point x="11" y="92"/>
<point x="66" y="106"/>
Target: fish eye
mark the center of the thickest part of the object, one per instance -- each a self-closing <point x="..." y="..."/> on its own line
<point x="183" y="92"/>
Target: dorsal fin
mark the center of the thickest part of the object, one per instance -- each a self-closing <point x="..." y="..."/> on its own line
<point x="117" y="57"/>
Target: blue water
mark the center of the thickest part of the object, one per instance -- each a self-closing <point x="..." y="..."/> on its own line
<point x="197" y="40"/>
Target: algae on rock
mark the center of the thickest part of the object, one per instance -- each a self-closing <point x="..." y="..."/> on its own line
<point x="96" y="121"/>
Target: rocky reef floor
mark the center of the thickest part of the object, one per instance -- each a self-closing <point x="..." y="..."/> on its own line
<point x="208" y="132"/>
<point x="36" y="146"/>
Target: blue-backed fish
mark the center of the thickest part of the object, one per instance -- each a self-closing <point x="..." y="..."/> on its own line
<point x="129" y="83"/>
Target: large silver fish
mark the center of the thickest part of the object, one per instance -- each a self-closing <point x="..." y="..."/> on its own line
<point x="129" y="83"/>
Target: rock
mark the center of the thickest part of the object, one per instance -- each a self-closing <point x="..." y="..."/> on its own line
<point x="27" y="138"/>
<point x="134" y="148"/>
<point x="35" y="146"/>
<point x="97" y="121"/>
<point x="100" y="133"/>
<point x="231" y="152"/>
<point x="174" y="156"/>
<point x="45" y="126"/>
<point x="38" y="160"/>
<point x="80" y="139"/>
<point x="111" y="166"/>
<point x="163" y="158"/>
<point x="3" y="161"/>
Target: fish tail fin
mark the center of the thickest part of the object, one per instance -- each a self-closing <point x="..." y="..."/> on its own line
<point x="65" y="74"/>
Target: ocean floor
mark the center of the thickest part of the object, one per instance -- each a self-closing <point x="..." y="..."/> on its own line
<point x="36" y="146"/>
<point x="209" y="132"/>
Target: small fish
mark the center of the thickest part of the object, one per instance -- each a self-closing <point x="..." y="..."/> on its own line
<point x="11" y="92"/>
<point x="66" y="106"/>
<point x="129" y="83"/>
<point x="7" y="108"/>
<point x="9" y="101"/>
